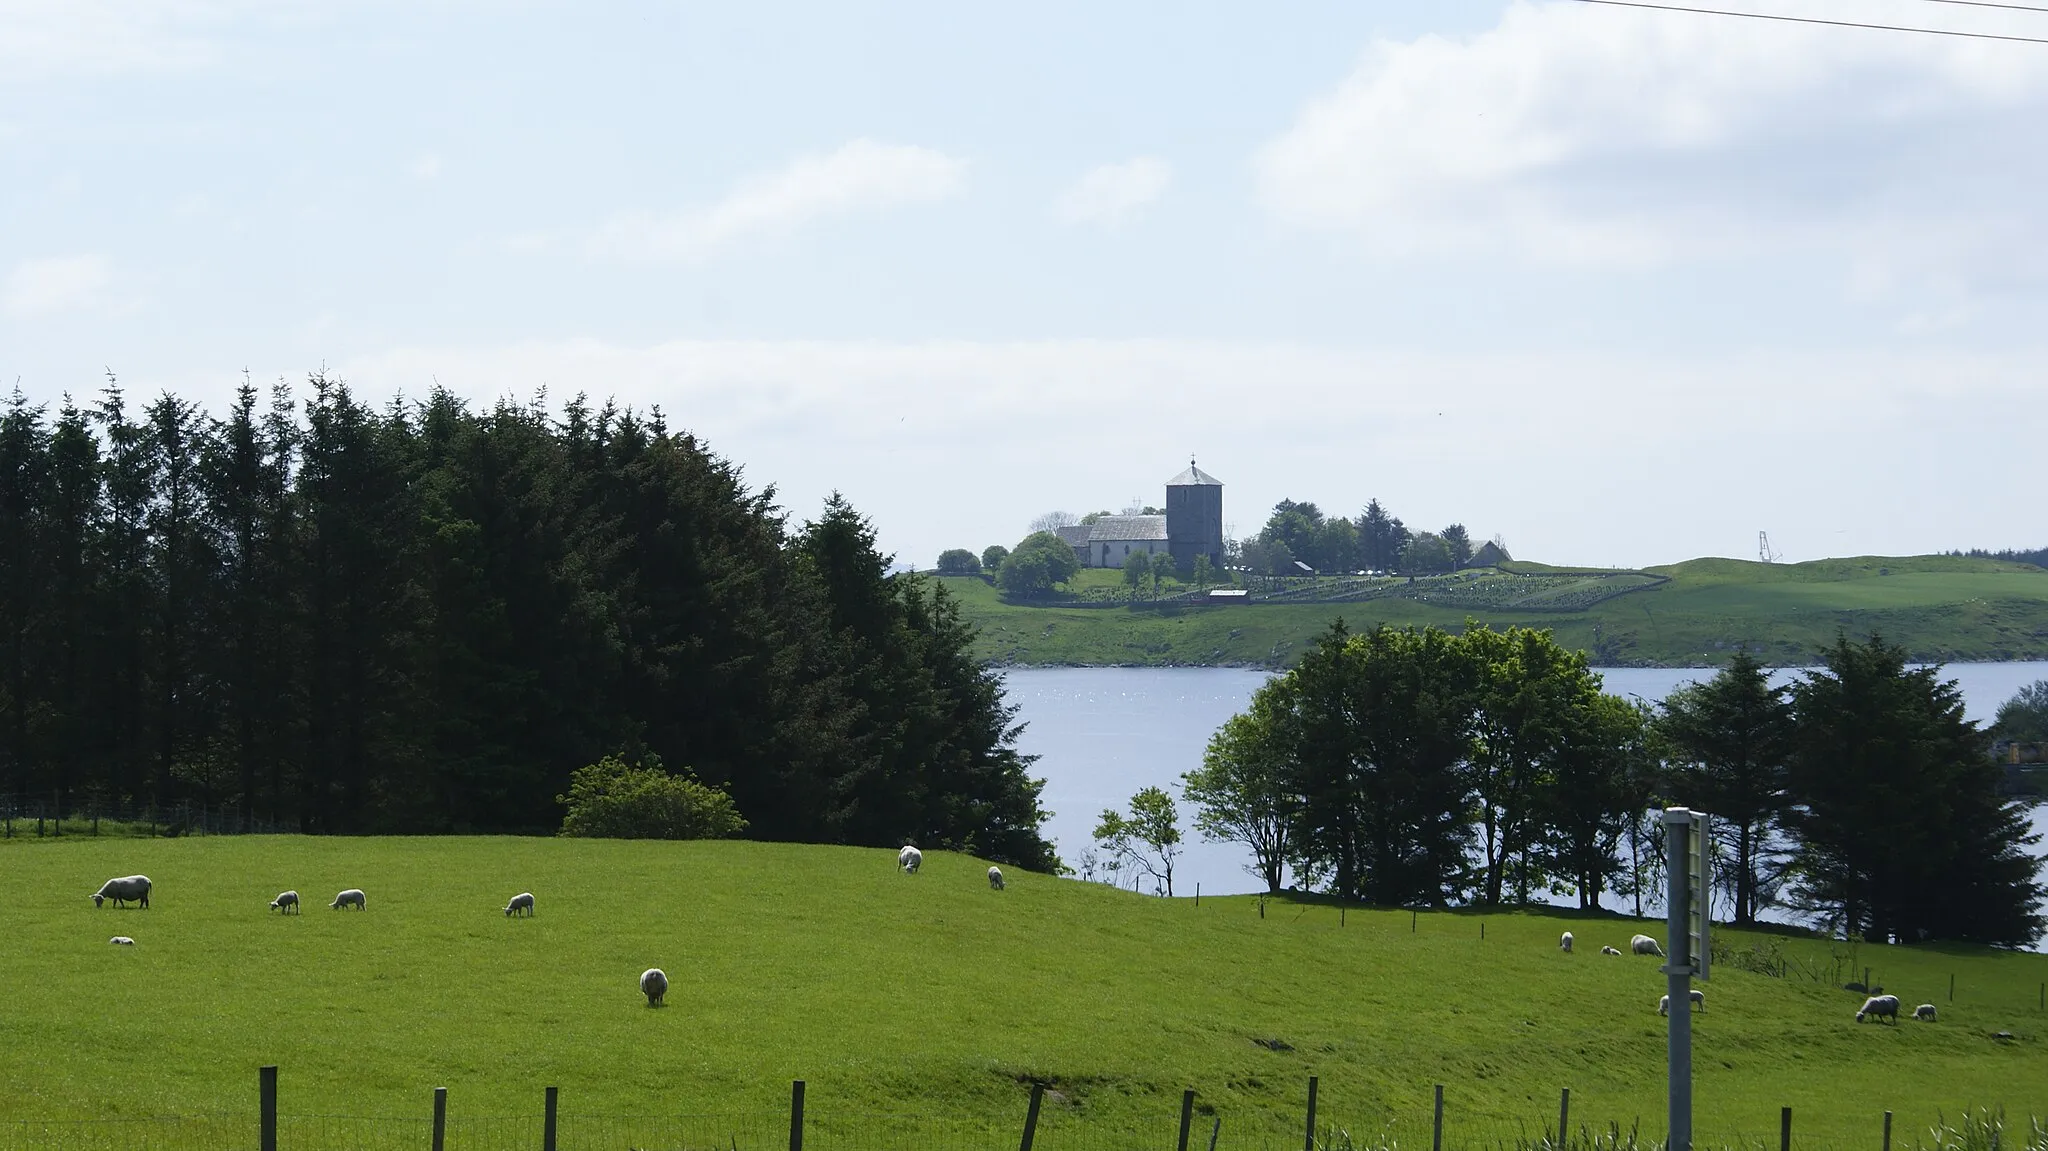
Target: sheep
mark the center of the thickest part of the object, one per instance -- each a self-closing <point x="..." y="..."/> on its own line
<point x="909" y="859"/>
<point x="1610" y="951"/>
<point x="286" y="901"/>
<point x="1564" y="943"/>
<point x="121" y="941"/>
<point x="520" y="902"/>
<point x="353" y="897"/>
<point x="1924" y="1013"/>
<point x="1699" y="1000"/>
<point x="1882" y="1006"/>
<point x="135" y="887"/>
<point x="995" y="878"/>
<point x="654" y="985"/>
<point x="1644" y="945"/>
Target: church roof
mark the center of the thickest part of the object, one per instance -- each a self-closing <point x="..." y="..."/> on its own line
<point x="1194" y="477"/>
<point x="1073" y="535"/>
<point x="1127" y="528"/>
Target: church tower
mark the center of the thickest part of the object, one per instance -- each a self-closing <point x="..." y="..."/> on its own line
<point x="1194" y="518"/>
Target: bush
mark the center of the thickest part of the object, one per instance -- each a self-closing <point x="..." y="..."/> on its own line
<point x="959" y="561"/>
<point x="612" y="799"/>
<point x="993" y="556"/>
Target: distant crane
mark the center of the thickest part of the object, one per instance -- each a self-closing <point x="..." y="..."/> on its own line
<point x="1764" y="554"/>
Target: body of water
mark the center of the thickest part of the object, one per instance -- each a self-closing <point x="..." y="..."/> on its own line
<point x="1103" y="733"/>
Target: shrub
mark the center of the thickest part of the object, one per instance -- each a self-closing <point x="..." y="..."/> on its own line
<point x="612" y="799"/>
<point x="959" y="561"/>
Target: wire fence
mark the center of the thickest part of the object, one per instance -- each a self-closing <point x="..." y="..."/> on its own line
<point x="1056" y="1129"/>
<point x="24" y="816"/>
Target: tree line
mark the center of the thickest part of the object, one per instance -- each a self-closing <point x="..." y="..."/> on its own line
<point x="1417" y="766"/>
<point x="424" y="618"/>
<point x="1376" y="540"/>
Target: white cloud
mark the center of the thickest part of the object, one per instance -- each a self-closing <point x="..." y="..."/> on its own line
<point x="944" y="443"/>
<point x="57" y="284"/>
<point x="42" y="38"/>
<point x="1114" y="193"/>
<point x="860" y="175"/>
<point x="1570" y="133"/>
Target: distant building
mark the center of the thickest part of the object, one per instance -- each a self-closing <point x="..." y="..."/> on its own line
<point x="1194" y="518"/>
<point x="1489" y="555"/>
<point x="1191" y="527"/>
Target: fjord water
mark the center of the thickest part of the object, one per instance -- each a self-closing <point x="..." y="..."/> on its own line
<point x="1103" y="733"/>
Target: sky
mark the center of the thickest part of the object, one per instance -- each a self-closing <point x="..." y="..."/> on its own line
<point x="1618" y="286"/>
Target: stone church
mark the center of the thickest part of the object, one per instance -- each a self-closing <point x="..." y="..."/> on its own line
<point x="1191" y="527"/>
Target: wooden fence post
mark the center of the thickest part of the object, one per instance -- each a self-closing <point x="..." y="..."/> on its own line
<point x="1785" y="1129"/>
<point x="796" y="1115"/>
<point x="1309" y="1141"/>
<point x="547" y="1125"/>
<point x="266" y="1087"/>
<point x="1564" y="1114"/>
<point x="1887" y="1131"/>
<point x="1951" y="987"/>
<point x="1031" y="1116"/>
<point x="1436" y="1141"/>
<point x="1187" y="1117"/>
<point x="440" y="1118"/>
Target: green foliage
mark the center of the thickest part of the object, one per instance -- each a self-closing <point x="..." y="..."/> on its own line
<point x="1459" y="541"/>
<point x="1242" y="791"/>
<point x="424" y="617"/>
<point x="1426" y="554"/>
<point x="1137" y="570"/>
<point x="1902" y="832"/>
<point x="992" y="557"/>
<point x="612" y="799"/>
<point x="2024" y="717"/>
<point x="1728" y="741"/>
<point x="1144" y="843"/>
<point x="1041" y="560"/>
<point x="958" y="561"/>
<point x="1204" y="572"/>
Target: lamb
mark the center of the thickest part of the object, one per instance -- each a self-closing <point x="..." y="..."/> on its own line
<point x="995" y="878"/>
<point x="135" y="887"/>
<point x="1699" y="1000"/>
<point x="1644" y="945"/>
<point x="1610" y="951"/>
<point x="1882" y="1006"/>
<point x="1924" y="1013"/>
<point x="286" y="901"/>
<point x="654" y="985"/>
<point x="520" y="902"/>
<point x="1564" y="943"/>
<point x="353" y="897"/>
<point x="122" y="941"/>
<point x="909" y="859"/>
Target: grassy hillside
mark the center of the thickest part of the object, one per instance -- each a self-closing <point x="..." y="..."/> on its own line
<point x="1940" y="608"/>
<point x="915" y="1004"/>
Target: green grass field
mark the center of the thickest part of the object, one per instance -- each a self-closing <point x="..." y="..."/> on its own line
<point x="924" y="998"/>
<point x="1939" y="608"/>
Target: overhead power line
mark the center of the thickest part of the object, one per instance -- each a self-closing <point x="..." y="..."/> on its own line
<point x="1989" y="4"/>
<point x="1817" y="20"/>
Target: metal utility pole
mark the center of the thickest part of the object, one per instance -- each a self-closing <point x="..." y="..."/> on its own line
<point x="1687" y="916"/>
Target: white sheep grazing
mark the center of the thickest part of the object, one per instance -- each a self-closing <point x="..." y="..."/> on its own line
<point x="654" y="985"/>
<point x="909" y="859"/>
<point x="286" y="901"/>
<point x="122" y="890"/>
<point x="122" y="941"/>
<point x="1882" y="1006"/>
<point x="520" y="902"/>
<point x="1644" y="945"/>
<point x="1699" y="1000"/>
<point x="1924" y="1013"/>
<point x="1564" y="943"/>
<point x="353" y="897"/>
<point x="1610" y="951"/>
<point x="995" y="878"/>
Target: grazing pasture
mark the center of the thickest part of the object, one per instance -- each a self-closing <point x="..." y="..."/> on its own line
<point x="924" y="997"/>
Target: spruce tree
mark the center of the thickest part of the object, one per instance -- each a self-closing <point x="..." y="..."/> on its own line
<point x="1728" y="740"/>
